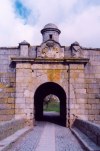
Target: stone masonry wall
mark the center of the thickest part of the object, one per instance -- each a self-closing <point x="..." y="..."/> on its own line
<point x="35" y="75"/>
<point x="92" y="85"/>
<point x="7" y="84"/>
<point x="85" y="88"/>
<point x="84" y="85"/>
<point x="77" y="92"/>
<point x="24" y="96"/>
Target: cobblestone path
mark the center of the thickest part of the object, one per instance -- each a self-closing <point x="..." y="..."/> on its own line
<point x="47" y="137"/>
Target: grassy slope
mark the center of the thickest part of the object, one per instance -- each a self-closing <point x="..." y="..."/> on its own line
<point x="52" y="106"/>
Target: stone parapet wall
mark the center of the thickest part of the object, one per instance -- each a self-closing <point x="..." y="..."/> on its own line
<point x="9" y="127"/>
<point x="88" y="128"/>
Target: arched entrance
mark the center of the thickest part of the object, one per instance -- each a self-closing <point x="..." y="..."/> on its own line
<point x="45" y="90"/>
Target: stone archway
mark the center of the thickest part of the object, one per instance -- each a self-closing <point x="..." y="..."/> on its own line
<point x="44" y="90"/>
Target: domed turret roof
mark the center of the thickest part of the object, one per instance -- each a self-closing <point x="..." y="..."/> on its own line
<point x="50" y="25"/>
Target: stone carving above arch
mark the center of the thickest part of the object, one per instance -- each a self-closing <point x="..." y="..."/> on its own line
<point x="50" y="49"/>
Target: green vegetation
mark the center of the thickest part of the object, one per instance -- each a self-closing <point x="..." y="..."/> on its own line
<point x="52" y="106"/>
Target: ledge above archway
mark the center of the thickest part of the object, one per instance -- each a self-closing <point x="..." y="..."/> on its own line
<point x="38" y="60"/>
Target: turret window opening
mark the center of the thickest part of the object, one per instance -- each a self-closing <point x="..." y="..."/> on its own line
<point x="50" y="36"/>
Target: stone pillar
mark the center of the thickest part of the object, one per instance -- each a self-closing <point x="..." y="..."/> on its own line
<point x="77" y="92"/>
<point x="24" y="95"/>
<point x="24" y="48"/>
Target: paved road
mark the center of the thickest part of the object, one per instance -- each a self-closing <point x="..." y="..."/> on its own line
<point x="47" y="137"/>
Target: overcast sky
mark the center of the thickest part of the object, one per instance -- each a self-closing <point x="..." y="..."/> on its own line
<point x="78" y="20"/>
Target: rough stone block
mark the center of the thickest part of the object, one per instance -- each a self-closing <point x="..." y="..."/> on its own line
<point x="94" y="106"/>
<point x="82" y="91"/>
<point x="91" y="117"/>
<point x="88" y="106"/>
<point x="93" y="112"/>
<point x="98" y="106"/>
<point x="20" y="100"/>
<point x="10" y="90"/>
<point x="90" y="80"/>
<point x="26" y="93"/>
<point x="81" y="101"/>
<point x="79" y="80"/>
<point x="20" y="111"/>
<point x="19" y="89"/>
<point x="24" y="50"/>
<point x="77" y="106"/>
<point x="3" y="100"/>
<point x="20" y="106"/>
<point x="93" y="90"/>
<point x="97" y="117"/>
<point x="81" y="96"/>
<point x="72" y="106"/>
<point x="6" y="117"/>
<point x="7" y="112"/>
<point x="91" y="96"/>
<point x="75" y="66"/>
<point x="11" y="100"/>
<point x="94" y="85"/>
<point x="23" y="66"/>
<point x="19" y="95"/>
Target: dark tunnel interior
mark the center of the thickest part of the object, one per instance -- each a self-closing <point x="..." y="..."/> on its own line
<point x="41" y="92"/>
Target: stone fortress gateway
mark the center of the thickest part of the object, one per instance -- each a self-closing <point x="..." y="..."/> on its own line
<point x="29" y="73"/>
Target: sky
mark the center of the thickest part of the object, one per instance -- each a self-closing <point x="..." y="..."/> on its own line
<point x="78" y="20"/>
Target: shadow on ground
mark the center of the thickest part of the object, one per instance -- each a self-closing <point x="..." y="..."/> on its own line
<point x="53" y="117"/>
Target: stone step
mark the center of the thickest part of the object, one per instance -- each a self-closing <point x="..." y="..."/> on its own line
<point x="7" y="142"/>
<point x="88" y="144"/>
